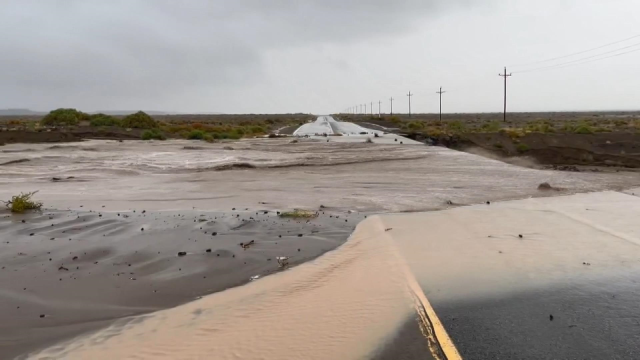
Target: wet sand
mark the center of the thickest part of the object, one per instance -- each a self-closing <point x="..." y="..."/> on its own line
<point x="192" y="179"/>
<point x="83" y="269"/>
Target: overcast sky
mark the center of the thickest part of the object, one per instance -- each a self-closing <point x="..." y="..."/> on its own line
<point x="316" y="56"/>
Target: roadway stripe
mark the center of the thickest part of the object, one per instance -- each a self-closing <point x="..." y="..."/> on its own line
<point x="431" y="325"/>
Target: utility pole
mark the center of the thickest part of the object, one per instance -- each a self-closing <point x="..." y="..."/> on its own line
<point x="379" y="109"/>
<point x="505" y="76"/>
<point x="440" y="92"/>
<point x="365" y="109"/>
<point x="410" y="95"/>
<point x="391" y="106"/>
<point x="371" y="109"/>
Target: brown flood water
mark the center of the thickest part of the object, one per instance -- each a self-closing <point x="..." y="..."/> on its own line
<point x="346" y="304"/>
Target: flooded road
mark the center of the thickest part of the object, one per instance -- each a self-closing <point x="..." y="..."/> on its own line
<point x="357" y="299"/>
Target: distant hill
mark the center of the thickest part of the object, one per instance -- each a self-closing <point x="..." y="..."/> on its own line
<point x="27" y="112"/>
<point x="19" y="112"/>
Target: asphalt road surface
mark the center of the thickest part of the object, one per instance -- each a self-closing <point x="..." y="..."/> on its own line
<point x="553" y="278"/>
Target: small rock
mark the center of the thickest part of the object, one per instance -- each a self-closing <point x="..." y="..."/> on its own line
<point x="550" y="317"/>
<point x="182" y="253"/>
<point x="545" y="186"/>
<point x="208" y="250"/>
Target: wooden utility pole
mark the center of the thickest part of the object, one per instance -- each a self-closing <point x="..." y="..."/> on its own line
<point x="365" y="109"/>
<point x="410" y="95"/>
<point x="391" y="106"/>
<point x="505" y="76"/>
<point x="440" y="92"/>
<point x="379" y="109"/>
<point x="371" y="109"/>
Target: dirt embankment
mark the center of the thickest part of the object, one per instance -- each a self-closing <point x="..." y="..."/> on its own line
<point x="601" y="149"/>
<point x="67" y="135"/>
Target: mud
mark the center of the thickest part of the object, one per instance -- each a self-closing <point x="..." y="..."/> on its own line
<point x="82" y="269"/>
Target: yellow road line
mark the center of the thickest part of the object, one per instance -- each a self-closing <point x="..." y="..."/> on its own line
<point x="434" y="327"/>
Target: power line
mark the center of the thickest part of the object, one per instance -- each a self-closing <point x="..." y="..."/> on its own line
<point x="505" y="76"/>
<point x="585" y="60"/>
<point x="442" y="92"/>
<point x="577" y="53"/>
<point x="410" y="95"/>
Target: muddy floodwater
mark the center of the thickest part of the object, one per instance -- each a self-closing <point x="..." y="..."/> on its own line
<point x="135" y="235"/>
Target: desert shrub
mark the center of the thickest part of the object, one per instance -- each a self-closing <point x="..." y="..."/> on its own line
<point x="394" y="119"/>
<point x="492" y="126"/>
<point x="513" y="133"/>
<point x="522" y="148"/>
<point x="258" y="130"/>
<point x="61" y="117"/>
<point x="415" y="125"/>
<point x="103" y="120"/>
<point x="456" y="127"/>
<point x="541" y="127"/>
<point x="139" y="120"/>
<point x="21" y="203"/>
<point x="299" y="214"/>
<point x="153" y="134"/>
<point x="583" y="128"/>
<point x="196" y="135"/>
<point x="208" y="138"/>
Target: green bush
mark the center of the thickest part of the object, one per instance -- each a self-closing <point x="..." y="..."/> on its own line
<point x="456" y="127"/>
<point x="415" y="125"/>
<point x="21" y="203"/>
<point x="522" y="148"/>
<point x="103" y="120"/>
<point x="139" y="120"/>
<point x="208" y="138"/>
<point x="258" y="130"/>
<point x="153" y="134"/>
<point x="60" y="117"/>
<point x="196" y="135"/>
<point x="583" y="129"/>
<point x="493" y="126"/>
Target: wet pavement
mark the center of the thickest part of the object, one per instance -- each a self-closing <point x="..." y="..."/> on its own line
<point x="553" y="278"/>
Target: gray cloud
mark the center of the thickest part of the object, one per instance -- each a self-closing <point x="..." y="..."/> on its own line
<point x="84" y="52"/>
<point x="307" y="55"/>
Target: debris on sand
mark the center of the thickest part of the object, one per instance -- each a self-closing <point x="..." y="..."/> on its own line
<point x="182" y="253"/>
<point x="254" y="277"/>
<point x="62" y="268"/>
<point x="299" y="214"/>
<point x="247" y="245"/>
<point x="283" y="261"/>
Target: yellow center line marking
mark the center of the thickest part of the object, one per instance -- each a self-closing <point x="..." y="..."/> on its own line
<point x="434" y="329"/>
